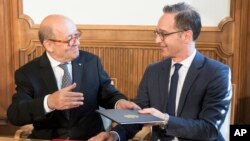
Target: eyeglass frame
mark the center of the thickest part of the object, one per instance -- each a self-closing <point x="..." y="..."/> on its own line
<point x="72" y="39"/>
<point x="163" y="35"/>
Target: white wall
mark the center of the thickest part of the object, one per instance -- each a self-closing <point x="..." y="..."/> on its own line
<point x="121" y="12"/>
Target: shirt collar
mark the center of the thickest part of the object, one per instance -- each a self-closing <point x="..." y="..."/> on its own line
<point x="187" y="62"/>
<point x="53" y="62"/>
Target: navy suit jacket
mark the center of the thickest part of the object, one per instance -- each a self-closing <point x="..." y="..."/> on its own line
<point x="36" y="79"/>
<point x="203" y="103"/>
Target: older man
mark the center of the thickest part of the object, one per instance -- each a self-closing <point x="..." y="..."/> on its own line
<point x="59" y="91"/>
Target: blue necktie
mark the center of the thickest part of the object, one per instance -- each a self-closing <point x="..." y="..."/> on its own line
<point x="66" y="81"/>
<point x="173" y="90"/>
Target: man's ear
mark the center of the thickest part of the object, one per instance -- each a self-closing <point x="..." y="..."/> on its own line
<point x="48" y="46"/>
<point x="188" y="35"/>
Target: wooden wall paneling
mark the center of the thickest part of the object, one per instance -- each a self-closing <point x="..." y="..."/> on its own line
<point x="2" y="52"/>
<point x="237" y="75"/>
<point x="241" y="57"/>
<point x="6" y="60"/>
<point x="244" y="98"/>
<point x="247" y="117"/>
<point x="25" y="31"/>
<point x="7" y="63"/>
<point x="126" y="63"/>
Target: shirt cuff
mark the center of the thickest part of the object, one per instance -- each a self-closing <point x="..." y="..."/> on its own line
<point x="166" y="119"/>
<point x="45" y="105"/>
<point x="164" y="124"/>
<point x="117" y="135"/>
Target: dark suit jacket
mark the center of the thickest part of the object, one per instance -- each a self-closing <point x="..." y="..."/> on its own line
<point x="36" y="79"/>
<point x="203" y="104"/>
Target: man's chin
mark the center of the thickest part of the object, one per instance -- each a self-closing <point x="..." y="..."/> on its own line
<point x="165" y="55"/>
<point x="76" y="55"/>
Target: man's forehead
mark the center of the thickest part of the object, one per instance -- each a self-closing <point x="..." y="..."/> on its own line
<point x="166" y="22"/>
<point x="68" y="31"/>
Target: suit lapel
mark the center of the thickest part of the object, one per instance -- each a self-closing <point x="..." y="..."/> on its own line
<point x="190" y="78"/>
<point x="47" y="74"/>
<point x="164" y="82"/>
<point x="77" y="69"/>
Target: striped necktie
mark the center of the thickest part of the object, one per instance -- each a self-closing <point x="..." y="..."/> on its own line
<point x="66" y="79"/>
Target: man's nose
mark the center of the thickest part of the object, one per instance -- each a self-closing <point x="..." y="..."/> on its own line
<point x="158" y="39"/>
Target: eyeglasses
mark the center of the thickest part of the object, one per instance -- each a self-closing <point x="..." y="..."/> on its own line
<point x="71" y="41"/>
<point x="163" y="35"/>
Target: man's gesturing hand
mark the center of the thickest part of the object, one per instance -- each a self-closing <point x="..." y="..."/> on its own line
<point x="65" y="98"/>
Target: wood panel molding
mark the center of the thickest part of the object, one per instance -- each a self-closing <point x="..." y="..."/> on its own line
<point x="25" y="17"/>
<point x="33" y="50"/>
<point x="215" y="51"/>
